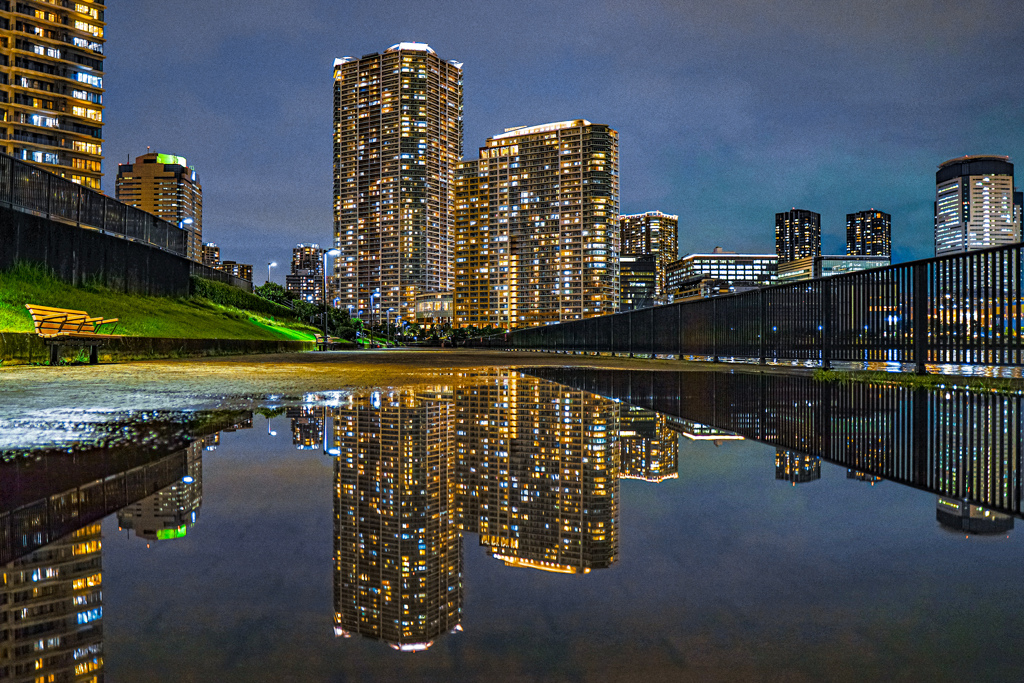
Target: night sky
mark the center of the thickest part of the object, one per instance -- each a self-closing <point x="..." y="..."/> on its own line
<point x="727" y="110"/>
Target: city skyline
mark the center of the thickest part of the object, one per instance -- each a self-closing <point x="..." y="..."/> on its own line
<point x="834" y="157"/>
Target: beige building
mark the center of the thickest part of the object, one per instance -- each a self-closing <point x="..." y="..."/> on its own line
<point x="397" y="140"/>
<point x="536" y="229"/>
<point x="167" y="187"/>
<point x="52" y="86"/>
<point x="974" y="204"/>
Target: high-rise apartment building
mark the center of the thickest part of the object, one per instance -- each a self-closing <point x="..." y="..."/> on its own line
<point x="536" y="237"/>
<point x="974" y="204"/>
<point x="211" y="255"/>
<point x="52" y="85"/>
<point x="397" y="140"/>
<point x="306" y="279"/>
<point x="868" y="233"/>
<point x="654" y="233"/>
<point x="167" y="187"/>
<point x="797" y="235"/>
<point x="170" y="512"/>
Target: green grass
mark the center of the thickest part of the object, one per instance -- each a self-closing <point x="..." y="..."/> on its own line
<point x="999" y="385"/>
<point x="139" y="316"/>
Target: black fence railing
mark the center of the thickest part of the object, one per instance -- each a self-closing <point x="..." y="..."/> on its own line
<point x="26" y="188"/>
<point x="963" y="309"/>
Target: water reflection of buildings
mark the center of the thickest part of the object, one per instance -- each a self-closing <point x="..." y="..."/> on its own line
<point x="797" y="468"/>
<point x="961" y="516"/>
<point x="307" y="427"/>
<point x="648" y="447"/>
<point x="862" y="476"/>
<point x="51" y="607"/>
<point x="170" y="512"/>
<point x="398" y="552"/>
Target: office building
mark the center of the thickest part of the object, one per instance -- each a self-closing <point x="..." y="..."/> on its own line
<point x="1018" y="210"/>
<point x="654" y="233"/>
<point x="167" y="187"/>
<point x="638" y="282"/>
<point x="827" y="266"/>
<point x="52" y="86"/>
<point x="306" y="280"/>
<point x="239" y="270"/>
<point x="868" y="233"/>
<point x="797" y="235"/>
<point x="169" y="513"/>
<point x="398" y="550"/>
<point x="974" y="204"/>
<point x="537" y="238"/>
<point x="718" y="273"/>
<point x="211" y="255"/>
<point x="397" y="140"/>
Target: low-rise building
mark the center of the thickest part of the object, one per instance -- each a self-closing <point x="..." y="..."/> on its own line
<point x="720" y="272"/>
<point x="638" y="282"/>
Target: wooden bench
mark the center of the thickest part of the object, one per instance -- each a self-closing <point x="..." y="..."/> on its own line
<point x="63" y="327"/>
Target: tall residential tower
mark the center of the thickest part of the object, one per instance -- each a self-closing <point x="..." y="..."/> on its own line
<point x="537" y="238"/>
<point x="868" y="233"/>
<point x="51" y="85"/>
<point x="974" y="204"/>
<point x="397" y="140"/>
<point x="797" y="235"/>
<point x="652" y="233"/>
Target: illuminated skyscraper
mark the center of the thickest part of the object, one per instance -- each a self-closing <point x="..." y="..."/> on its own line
<point x="397" y="139"/>
<point x="652" y="233"/>
<point x="551" y="500"/>
<point x="52" y="85"/>
<point x="797" y="235"/>
<point x="868" y="233"/>
<point x="306" y="279"/>
<point x="798" y="468"/>
<point x="170" y="512"/>
<point x="649" y="449"/>
<point x="167" y="187"/>
<point x="398" y="550"/>
<point x="537" y="237"/>
<point x="51" y="611"/>
<point x="974" y="204"/>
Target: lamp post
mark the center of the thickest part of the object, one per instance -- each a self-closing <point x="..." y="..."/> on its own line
<point x="327" y="252"/>
<point x="270" y="264"/>
<point x="181" y="226"/>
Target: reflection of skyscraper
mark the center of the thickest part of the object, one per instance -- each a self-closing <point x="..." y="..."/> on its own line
<point x="958" y="515"/>
<point x="649" y="449"/>
<point x="857" y="475"/>
<point x="168" y="513"/>
<point x="307" y="427"/>
<point x="398" y="552"/>
<point x="51" y="606"/>
<point x="795" y="467"/>
<point x="551" y="500"/>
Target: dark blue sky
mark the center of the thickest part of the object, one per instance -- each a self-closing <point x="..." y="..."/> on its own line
<point x="727" y="110"/>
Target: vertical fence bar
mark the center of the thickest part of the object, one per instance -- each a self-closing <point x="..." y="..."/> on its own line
<point x="919" y="313"/>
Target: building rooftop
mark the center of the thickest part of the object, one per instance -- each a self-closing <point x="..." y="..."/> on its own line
<point x="542" y="128"/>
<point x="974" y="157"/>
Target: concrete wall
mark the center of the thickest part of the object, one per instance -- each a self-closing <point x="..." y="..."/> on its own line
<point x="18" y="348"/>
<point x="78" y="255"/>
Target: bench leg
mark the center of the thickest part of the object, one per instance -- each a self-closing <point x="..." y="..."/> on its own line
<point x="54" y="354"/>
<point x="94" y="355"/>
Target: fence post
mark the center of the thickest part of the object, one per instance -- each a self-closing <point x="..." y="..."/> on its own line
<point x="826" y="324"/>
<point x="919" y="314"/>
<point x="762" y="326"/>
<point x="714" y="330"/>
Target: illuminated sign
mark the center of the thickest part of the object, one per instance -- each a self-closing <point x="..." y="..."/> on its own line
<point x="167" y="534"/>
<point x="170" y="159"/>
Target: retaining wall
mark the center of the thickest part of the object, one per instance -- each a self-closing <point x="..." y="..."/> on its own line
<point x="21" y="348"/>
<point x="78" y="255"/>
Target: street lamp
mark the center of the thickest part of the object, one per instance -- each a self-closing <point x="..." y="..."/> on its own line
<point x="270" y="264"/>
<point x="327" y="252"/>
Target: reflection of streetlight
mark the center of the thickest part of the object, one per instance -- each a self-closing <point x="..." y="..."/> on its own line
<point x="269" y="431"/>
<point x="271" y="264"/>
<point x="327" y="252"/>
<point x="387" y="332"/>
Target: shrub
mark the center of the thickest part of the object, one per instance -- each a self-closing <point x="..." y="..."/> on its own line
<point x="226" y="295"/>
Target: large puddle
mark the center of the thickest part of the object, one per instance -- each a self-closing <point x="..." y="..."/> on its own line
<point x="545" y="524"/>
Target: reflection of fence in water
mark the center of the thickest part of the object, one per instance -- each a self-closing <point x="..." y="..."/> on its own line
<point x="953" y="442"/>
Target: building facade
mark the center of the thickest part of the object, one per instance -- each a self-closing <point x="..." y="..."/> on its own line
<point x="537" y="237"/>
<point x="211" y="255"/>
<point x="720" y="272"/>
<point x="654" y="233"/>
<point x="797" y="235"/>
<point x="827" y="266"/>
<point x="306" y="280"/>
<point x="638" y="282"/>
<point x="52" y="86"/>
<point x="974" y="204"/>
<point x="167" y="187"/>
<point x="868" y="233"/>
<point x="239" y="270"/>
<point x="397" y="140"/>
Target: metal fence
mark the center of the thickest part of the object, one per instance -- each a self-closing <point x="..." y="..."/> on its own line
<point x="26" y="188"/>
<point x="958" y="309"/>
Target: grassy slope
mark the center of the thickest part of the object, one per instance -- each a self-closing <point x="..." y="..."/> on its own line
<point x="140" y="316"/>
